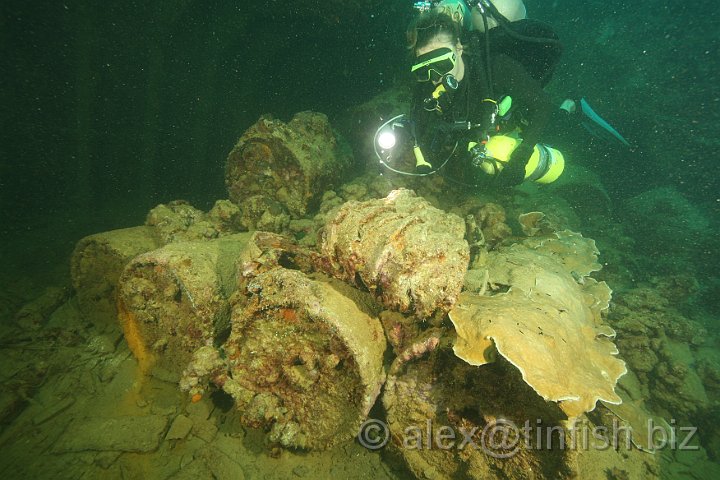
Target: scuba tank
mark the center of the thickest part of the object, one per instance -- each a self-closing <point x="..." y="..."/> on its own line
<point x="546" y="163"/>
<point x="395" y="140"/>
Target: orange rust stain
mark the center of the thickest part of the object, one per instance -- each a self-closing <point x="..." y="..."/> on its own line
<point x="196" y="398"/>
<point x="288" y="314"/>
<point x="134" y="338"/>
<point x="145" y="358"/>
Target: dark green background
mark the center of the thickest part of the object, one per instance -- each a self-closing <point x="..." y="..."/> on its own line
<point x="109" y="108"/>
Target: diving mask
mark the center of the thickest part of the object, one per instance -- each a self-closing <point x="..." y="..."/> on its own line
<point x="432" y="66"/>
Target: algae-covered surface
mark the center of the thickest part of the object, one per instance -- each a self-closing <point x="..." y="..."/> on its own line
<point x="89" y="413"/>
<point x="547" y="332"/>
<point x="80" y="401"/>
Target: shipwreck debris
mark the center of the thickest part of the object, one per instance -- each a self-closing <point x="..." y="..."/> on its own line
<point x="289" y="163"/>
<point x="174" y="299"/>
<point x="302" y="360"/>
<point x="409" y="254"/>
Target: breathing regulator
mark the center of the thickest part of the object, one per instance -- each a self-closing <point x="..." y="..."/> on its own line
<point x="396" y="142"/>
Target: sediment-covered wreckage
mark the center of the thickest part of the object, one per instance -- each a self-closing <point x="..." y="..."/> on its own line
<point x="381" y="299"/>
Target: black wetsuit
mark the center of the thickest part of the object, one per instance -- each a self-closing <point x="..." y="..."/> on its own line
<point x="531" y="109"/>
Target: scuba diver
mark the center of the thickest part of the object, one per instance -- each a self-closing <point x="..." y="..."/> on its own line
<point x="510" y="16"/>
<point x="479" y="96"/>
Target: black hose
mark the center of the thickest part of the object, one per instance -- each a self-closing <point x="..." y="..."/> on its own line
<point x="487" y="53"/>
<point x="504" y="24"/>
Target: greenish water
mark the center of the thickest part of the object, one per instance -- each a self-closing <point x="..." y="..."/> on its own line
<point x="110" y="109"/>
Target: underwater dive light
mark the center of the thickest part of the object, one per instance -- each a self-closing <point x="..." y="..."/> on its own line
<point x="386" y="140"/>
<point x="387" y="146"/>
<point x="394" y="141"/>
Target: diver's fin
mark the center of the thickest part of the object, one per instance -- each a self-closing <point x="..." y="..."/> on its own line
<point x="598" y="127"/>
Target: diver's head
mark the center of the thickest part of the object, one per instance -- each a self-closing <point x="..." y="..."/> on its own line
<point x="434" y="39"/>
